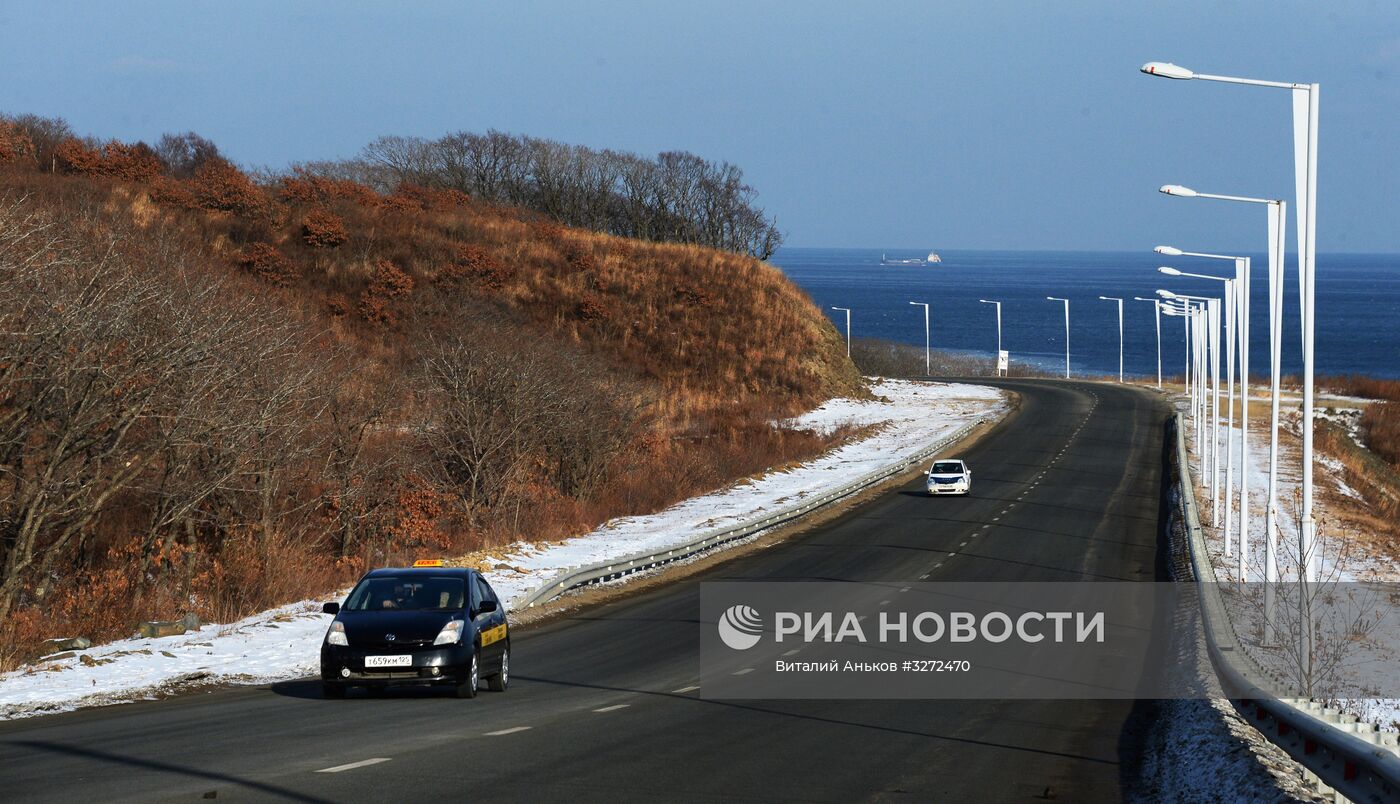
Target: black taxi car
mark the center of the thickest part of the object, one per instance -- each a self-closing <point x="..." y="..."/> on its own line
<point x="429" y="624"/>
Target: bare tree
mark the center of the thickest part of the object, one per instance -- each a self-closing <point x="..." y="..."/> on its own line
<point x="676" y="197"/>
<point x="182" y="154"/>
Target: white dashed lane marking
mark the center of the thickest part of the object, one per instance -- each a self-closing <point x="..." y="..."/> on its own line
<point x="791" y="652"/>
<point x="691" y="688"/>
<point x="353" y="765"/>
<point x="511" y="730"/>
<point x="744" y="671"/>
<point x="612" y="708"/>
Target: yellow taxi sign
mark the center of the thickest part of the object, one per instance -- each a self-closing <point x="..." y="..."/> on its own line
<point x="429" y="562"/>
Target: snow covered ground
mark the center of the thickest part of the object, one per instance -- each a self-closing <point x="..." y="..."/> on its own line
<point x="1342" y="560"/>
<point x="283" y="643"/>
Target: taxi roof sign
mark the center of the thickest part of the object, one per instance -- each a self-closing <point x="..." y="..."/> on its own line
<point x="429" y="562"/>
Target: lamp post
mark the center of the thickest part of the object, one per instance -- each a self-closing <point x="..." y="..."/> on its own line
<point x="1238" y="312"/>
<point x="848" y="328"/>
<point x="1277" y="225"/>
<point x="1306" y="98"/>
<point x="1120" y="333"/>
<point x="1157" y="316"/>
<point x="928" y="359"/>
<point x="1201" y="310"/>
<point x="1230" y="304"/>
<point x="1066" y="301"/>
<point x="998" y="304"/>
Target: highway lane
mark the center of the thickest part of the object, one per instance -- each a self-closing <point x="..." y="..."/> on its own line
<point x="603" y="704"/>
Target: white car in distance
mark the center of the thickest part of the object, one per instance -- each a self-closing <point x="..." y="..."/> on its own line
<point x="949" y="476"/>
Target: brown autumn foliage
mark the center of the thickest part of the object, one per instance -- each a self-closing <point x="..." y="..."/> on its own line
<point x="264" y="261"/>
<point x="244" y="422"/>
<point x="15" y="144"/>
<point x="135" y="162"/>
<point x="219" y="185"/>
<point x="322" y="229"/>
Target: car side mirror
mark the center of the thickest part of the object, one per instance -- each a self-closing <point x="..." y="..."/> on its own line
<point x="928" y="471"/>
<point x="330" y="608"/>
<point x="486" y="607"/>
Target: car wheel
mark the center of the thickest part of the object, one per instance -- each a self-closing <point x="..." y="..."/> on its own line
<point x="469" y="687"/>
<point x="333" y="691"/>
<point x="501" y="680"/>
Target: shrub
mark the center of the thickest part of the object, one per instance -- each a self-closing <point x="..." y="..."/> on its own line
<point x="323" y="229"/>
<point x="218" y="185"/>
<point x="267" y="263"/>
<point x="15" y="145"/>
<point x="172" y="193"/>
<point x="478" y="265"/>
<point x="388" y="284"/>
<point x="136" y="162"/>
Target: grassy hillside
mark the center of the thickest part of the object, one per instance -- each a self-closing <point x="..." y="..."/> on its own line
<point x="218" y="394"/>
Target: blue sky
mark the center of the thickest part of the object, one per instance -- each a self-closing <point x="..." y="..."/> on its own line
<point x="944" y="124"/>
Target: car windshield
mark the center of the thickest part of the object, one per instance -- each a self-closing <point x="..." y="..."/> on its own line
<point x="398" y="593"/>
<point x="947" y="468"/>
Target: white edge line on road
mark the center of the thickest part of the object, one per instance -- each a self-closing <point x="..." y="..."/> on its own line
<point x="612" y="708"/>
<point x="511" y="730"/>
<point x="351" y="766"/>
<point x="691" y="688"/>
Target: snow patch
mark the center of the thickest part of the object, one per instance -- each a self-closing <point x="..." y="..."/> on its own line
<point x="284" y="643"/>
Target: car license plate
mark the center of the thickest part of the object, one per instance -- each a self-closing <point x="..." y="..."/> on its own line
<point x="388" y="661"/>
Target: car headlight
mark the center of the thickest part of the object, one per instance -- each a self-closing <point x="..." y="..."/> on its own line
<point x="336" y="634"/>
<point x="450" y="633"/>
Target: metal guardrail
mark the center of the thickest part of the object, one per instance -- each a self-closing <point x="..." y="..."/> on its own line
<point x="1354" y="759"/>
<point x="638" y="562"/>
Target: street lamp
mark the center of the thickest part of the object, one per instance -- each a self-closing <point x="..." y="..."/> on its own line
<point x="1201" y="324"/>
<point x="1277" y="211"/>
<point x="998" y="304"/>
<point x="928" y="360"/>
<point x="1215" y="402"/>
<point x="1306" y="98"/>
<point x="847" y="311"/>
<point x="1120" y="333"/>
<point x="1066" y="301"/>
<point x="1237" y="332"/>
<point x="1157" y="316"/>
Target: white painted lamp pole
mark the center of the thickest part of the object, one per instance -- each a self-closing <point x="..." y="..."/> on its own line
<point x="1237" y="334"/>
<point x="1230" y="305"/>
<point x="1306" y="98"/>
<point x="998" y="304"/>
<point x="928" y="359"/>
<point x="1157" y="315"/>
<point x="1277" y="222"/>
<point x="1066" y="301"/>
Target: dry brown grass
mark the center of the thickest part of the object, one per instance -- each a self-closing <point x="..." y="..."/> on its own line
<point x="708" y="346"/>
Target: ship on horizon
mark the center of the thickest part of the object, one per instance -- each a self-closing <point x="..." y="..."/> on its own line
<point x="931" y="259"/>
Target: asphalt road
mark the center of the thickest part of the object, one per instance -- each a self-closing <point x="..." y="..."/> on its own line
<point x="603" y="704"/>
